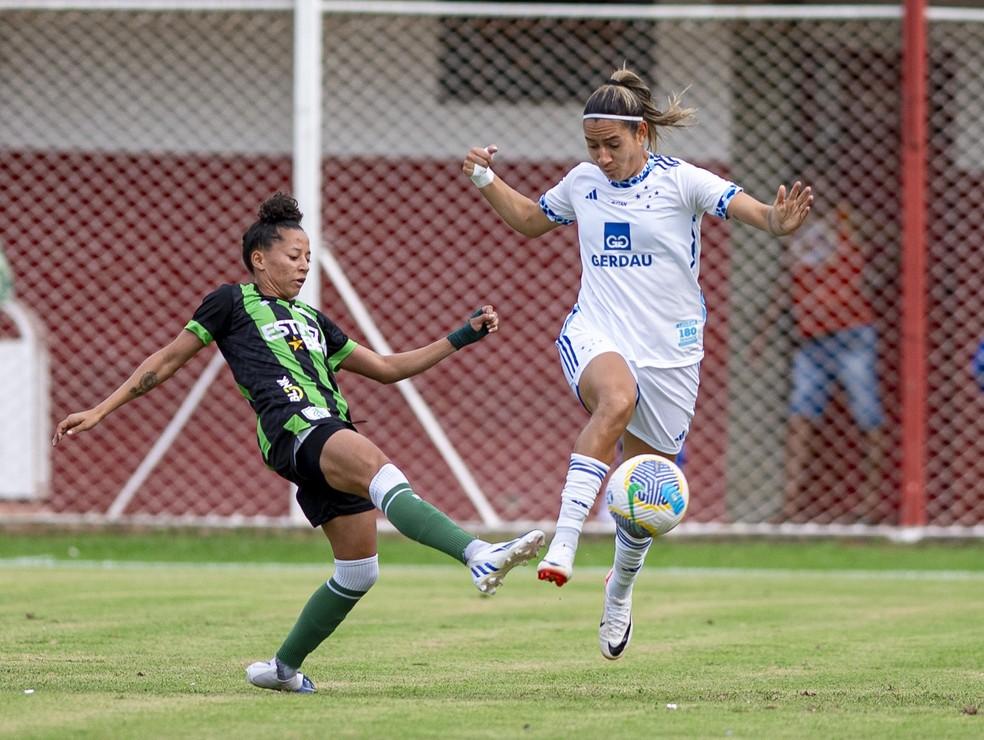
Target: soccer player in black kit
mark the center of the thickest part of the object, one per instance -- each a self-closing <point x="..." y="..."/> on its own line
<point x="284" y="356"/>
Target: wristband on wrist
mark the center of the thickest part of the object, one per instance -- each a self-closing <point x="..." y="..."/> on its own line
<point x="482" y="176"/>
<point x="466" y="335"/>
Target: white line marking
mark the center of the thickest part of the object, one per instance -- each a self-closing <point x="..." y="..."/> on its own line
<point x="46" y="561"/>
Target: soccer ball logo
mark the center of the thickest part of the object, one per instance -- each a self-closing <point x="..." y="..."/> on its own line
<point x="647" y="496"/>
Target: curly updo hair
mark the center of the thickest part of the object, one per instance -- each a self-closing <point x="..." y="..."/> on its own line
<point x="277" y="212"/>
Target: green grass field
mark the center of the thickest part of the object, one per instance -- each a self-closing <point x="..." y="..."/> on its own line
<point x="147" y="635"/>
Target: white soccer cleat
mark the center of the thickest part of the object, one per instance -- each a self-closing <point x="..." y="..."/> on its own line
<point x="615" y="630"/>
<point x="489" y="566"/>
<point x="557" y="565"/>
<point x="264" y="675"/>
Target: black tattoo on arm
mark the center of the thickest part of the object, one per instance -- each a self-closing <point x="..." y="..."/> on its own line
<point x="147" y="383"/>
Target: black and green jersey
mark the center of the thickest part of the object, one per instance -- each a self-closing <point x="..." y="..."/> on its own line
<point x="283" y="355"/>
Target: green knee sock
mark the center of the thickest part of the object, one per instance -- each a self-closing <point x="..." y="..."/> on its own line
<point x="324" y="611"/>
<point x="418" y="520"/>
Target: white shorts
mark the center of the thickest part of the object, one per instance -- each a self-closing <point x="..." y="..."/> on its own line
<point x="665" y="396"/>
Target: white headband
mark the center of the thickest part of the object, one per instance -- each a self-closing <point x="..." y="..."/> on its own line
<point x="612" y="117"/>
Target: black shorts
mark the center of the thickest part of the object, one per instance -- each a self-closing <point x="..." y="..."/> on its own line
<point x="318" y="500"/>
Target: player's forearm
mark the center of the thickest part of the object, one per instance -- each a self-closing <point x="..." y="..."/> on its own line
<point x="151" y="373"/>
<point x="407" y="364"/>
<point x="750" y="211"/>
<point x="521" y="213"/>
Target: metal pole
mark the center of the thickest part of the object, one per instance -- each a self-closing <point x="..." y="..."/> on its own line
<point x="307" y="151"/>
<point x="307" y="134"/>
<point x="914" y="344"/>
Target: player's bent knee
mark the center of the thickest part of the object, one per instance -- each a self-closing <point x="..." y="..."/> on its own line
<point x="616" y="409"/>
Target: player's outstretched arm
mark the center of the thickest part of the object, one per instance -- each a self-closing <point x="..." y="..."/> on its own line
<point x="786" y="214"/>
<point x="521" y="213"/>
<point x="395" y="367"/>
<point x="151" y="373"/>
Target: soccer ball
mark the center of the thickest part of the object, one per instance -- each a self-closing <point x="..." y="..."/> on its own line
<point x="647" y="495"/>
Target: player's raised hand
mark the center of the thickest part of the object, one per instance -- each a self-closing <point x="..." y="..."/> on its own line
<point x="790" y="211"/>
<point x="73" y="423"/>
<point x="483" y="321"/>
<point x="488" y="318"/>
<point x="480" y="156"/>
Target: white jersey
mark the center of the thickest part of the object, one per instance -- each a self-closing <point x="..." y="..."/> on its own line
<point x="640" y="254"/>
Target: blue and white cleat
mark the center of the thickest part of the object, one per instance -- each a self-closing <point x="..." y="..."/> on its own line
<point x="264" y="674"/>
<point x="615" y="630"/>
<point x="489" y="566"/>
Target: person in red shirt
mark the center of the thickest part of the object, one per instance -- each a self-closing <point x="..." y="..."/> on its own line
<point x="825" y="290"/>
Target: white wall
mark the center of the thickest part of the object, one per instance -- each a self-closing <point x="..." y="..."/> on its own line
<point x="187" y="82"/>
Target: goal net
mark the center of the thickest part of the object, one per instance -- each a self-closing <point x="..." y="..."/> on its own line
<point x="137" y="139"/>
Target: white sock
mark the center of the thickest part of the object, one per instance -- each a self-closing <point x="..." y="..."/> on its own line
<point x="284" y="671"/>
<point x="473" y="547"/>
<point x="584" y="478"/>
<point x="386" y="479"/>
<point x="630" y="554"/>
<point x="356" y="575"/>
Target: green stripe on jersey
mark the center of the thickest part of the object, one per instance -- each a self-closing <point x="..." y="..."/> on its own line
<point x="263" y="315"/>
<point x="199" y="331"/>
<point x="262" y="439"/>
<point x="318" y="358"/>
<point x="339" y="357"/>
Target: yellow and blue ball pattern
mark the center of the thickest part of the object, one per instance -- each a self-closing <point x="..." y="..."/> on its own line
<point x="647" y="496"/>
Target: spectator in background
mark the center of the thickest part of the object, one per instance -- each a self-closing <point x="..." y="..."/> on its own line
<point x="836" y="342"/>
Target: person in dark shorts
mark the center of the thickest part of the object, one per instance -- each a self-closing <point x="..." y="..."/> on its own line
<point x="284" y="356"/>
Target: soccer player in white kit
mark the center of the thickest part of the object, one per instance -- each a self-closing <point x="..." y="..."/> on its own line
<point x="632" y="344"/>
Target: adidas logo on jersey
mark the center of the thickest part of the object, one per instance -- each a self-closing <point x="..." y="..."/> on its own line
<point x="593" y="195"/>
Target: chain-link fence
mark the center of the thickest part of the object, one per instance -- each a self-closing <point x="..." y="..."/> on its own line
<point x="135" y="147"/>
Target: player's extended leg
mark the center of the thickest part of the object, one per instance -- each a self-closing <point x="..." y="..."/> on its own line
<point x="353" y="541"/>
<point x="352" y="463"/>
<point x="608" y="390"/>
<point x="615" y="630"/>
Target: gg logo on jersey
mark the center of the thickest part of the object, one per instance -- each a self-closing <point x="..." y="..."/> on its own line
<point x="617" y="236"/>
